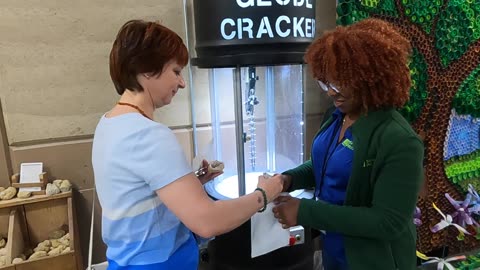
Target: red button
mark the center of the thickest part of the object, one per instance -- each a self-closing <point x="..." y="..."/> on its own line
<point x="292" y="240"/>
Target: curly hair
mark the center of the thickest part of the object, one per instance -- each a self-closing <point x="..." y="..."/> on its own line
<point x="370" y="58"/>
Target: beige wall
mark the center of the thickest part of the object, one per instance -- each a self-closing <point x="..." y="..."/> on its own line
<point x="54" y="63"/>
<point x="54" y="86"/>
<point x="5" y="164"/>
<point x="54" y="80"/>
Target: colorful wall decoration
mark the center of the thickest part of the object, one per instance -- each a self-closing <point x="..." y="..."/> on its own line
<point x="444" y="106"/>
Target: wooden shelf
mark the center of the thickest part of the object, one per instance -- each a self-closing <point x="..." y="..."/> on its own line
<point x="64" y="261"/>
<point x="33" y="199"/>
<point x="30" y="222"/>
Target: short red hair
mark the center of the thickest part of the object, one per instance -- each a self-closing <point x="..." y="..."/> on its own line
<point x="143" y="47"/>
<point x="369" y="57"/>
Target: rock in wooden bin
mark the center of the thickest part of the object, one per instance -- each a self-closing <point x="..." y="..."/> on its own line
<point x="38" y="254"/>
<point x="41" y="247"/>
<point x="52" y="189"/>
<point x="8" y="193"/>
<point x="24" y="194"/>
<point x="65" y="186"/>
<point x="58" y="243"/>
<point x="57" y="182"/>
<point x="17" y="260"/>
<point x="56" y="251"/>
<point x="62" y="185"/>
<point x="3" y="253"/>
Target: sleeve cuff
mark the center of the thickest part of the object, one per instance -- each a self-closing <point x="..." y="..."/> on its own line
<point x="304" y="216"/>
<point x="290" y="188"/>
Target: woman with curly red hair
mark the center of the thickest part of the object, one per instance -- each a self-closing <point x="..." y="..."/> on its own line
<point x="366" y="162"/>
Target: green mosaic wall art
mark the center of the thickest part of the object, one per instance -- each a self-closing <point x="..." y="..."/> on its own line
<point x="445" y="72"/>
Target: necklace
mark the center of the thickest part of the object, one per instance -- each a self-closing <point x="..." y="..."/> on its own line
<point x="135" y="107"/>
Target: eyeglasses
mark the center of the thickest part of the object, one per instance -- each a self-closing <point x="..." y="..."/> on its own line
<point x="326" y="86"/>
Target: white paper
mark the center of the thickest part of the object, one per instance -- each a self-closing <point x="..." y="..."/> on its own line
<point x="30" y="173"/>
<point x="302" y="194"/>
<point x="267" y="233"/>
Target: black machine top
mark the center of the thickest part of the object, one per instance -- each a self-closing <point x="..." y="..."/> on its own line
<point x="230" y="33"/>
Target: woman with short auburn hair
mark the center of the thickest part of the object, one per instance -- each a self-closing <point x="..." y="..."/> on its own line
<point x="151" y="200"/>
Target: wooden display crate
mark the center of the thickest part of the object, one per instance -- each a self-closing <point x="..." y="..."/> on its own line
<point x="31" y="220"/>
<point x="43" y="181"/>
<point x="4" y="233"/>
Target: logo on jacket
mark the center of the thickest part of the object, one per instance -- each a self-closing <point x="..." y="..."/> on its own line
<point x="348" y="144"/>
<point x="368" y="162"/>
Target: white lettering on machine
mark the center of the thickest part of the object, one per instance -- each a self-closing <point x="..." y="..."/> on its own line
<point x="284" y="26"/>
<point x="268" y="3"/>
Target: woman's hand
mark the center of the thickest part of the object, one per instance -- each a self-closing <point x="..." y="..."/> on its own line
<point x="208" y="175"/>
<point x="273" y="186"/>
<point x="286" y="210"/>
<point x="287" y="181"/>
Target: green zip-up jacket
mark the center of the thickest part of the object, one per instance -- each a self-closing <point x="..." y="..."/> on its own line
<point x="376" y="219"/>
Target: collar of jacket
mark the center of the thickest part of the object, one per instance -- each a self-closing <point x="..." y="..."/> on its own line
<point x="366" y="123"/>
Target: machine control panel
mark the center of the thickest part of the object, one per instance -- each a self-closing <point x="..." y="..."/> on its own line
<point x="297" y="235"/>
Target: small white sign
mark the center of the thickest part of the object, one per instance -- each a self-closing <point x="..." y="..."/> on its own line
<point x="30" y="173"/>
